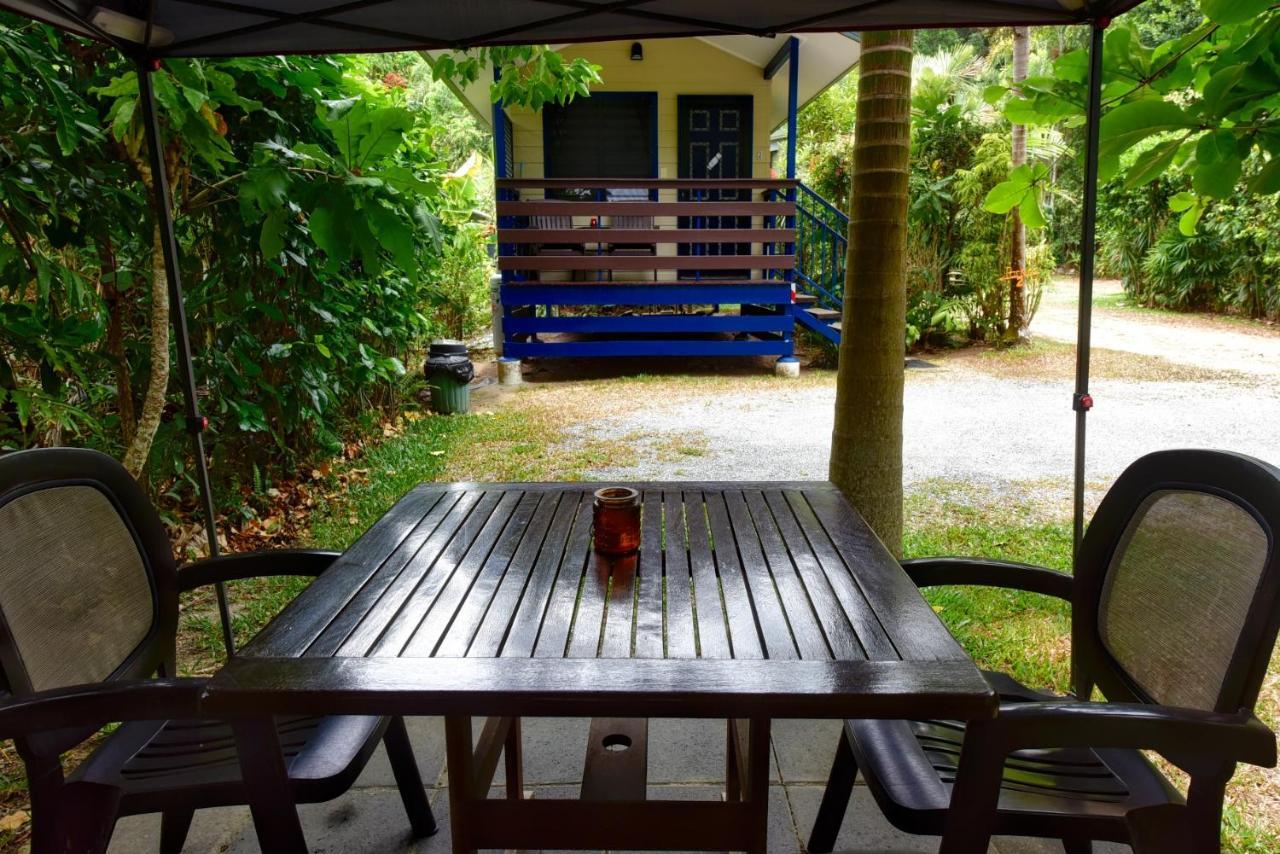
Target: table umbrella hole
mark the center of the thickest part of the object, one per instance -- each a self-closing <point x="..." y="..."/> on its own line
<point x="616" y="742"/>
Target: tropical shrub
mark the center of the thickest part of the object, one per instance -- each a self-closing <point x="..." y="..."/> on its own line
<point x="323" y="241"/>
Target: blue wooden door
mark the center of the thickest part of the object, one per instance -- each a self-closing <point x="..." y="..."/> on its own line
<point x="714" y="140"/>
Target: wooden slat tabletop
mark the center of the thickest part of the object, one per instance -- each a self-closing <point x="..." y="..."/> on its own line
<point x="493" y="574"/>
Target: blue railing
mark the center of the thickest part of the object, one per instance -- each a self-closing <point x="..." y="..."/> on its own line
<point x="822" y="245"/>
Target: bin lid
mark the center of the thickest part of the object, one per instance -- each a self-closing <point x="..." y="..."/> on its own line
<point x="447" y="347"/>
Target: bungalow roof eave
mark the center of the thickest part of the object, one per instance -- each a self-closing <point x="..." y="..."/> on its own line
<point x="825" y="58"/>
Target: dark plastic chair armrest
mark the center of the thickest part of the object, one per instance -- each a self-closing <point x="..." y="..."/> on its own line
<point x="939" y="571"/>
<point x="1173" y="732"/>
<point x="101" y="703"/>
<point x="310" y="562"/>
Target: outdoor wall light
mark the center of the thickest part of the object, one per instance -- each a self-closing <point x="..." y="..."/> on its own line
<point x="637" y="52"/>
<point x="127" y="27"/>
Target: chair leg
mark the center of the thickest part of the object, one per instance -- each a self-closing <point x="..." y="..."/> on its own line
<point x="835" y="799"/>
<point x="44" y="785"/>
<point x="84" y="821"/>
<point x="174" y="825"/>
<point x="1077" y="846"/>
<point x="405" y="769"/>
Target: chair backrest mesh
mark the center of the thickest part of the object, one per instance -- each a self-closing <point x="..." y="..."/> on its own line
<point x="74" y="588"/>
<point x="1177" y="594"/>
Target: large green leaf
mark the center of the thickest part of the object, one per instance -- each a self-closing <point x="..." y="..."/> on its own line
<point x="1182" y="201"/>
<point x="1190" y="218"/>
<point x="266" y="188"/>
<point x="1152" y="164"/>
<point x="272" y="239"/>
<point x="1267" y="181"/>
<point x="1234" y="11"/>
<point x="1214" y="96"/>
<point x="1029" y="210"/>
<point x="329" y="229"/>
<point x="366" y="135"/>
<point x="394" y="235"/>
<point x="1218" y="178"/>
<point x="1129" y="124"/>
<point x="384" y="134"/>
<point x="993" y="94"/>
<point x="1005" y="196"/>
<point x="1073" y="66"/>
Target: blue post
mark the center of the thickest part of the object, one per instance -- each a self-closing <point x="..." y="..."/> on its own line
<point x="500" y="157"/>
<point x="500" y="171"/>
<point x="793" y="106"/>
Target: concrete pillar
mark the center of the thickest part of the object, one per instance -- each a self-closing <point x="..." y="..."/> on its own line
<point x="787" y="366"/>
<point x="509" y="371"/>
<point x="495" y="312"/>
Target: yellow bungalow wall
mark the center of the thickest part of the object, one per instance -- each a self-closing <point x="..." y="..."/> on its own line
<point x="671" y="67"/>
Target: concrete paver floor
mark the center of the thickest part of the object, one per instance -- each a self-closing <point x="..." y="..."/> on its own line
<point x="685" y="761"/>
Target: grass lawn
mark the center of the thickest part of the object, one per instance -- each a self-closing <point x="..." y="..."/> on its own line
<point x="1120" y="301"/>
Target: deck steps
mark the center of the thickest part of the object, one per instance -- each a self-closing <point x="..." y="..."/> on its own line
<point x="826" y="315"/>
<point x="821" y="319"/>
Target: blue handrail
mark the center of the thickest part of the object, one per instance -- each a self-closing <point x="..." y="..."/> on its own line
<point x="822" y="243"/>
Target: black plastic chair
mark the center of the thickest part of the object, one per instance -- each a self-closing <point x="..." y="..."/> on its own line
<point x="88" y="618"/>
<point x="1174" y="616"/>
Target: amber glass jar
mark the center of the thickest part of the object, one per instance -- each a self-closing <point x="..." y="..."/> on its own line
<point x="616" y="515"/>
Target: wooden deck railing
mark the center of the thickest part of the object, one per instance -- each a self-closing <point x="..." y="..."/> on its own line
<point x="733" y="229"/>
<point x="638" y="267"/>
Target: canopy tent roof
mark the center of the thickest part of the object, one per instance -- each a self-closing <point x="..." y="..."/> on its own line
<point x="231" y="28"/>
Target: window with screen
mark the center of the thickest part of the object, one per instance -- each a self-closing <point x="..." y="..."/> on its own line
<point x="609" y="135"/>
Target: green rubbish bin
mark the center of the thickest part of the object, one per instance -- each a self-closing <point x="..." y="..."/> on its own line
<point x="449" y="373"/>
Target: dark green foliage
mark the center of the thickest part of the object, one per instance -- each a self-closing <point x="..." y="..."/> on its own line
<point x="1229" y="264"/>
<point x="323" y="241"/>
<point x="1129" y="224"/>
<point x="527" y="75"/>
<point x="1191" y="144"/>
<point x="930" y="42"/>
<point x="958" y="254"/>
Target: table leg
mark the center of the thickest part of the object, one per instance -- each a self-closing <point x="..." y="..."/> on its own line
<point x="266" y="781"/>
<point x="513" y="757"/>
<point x="757" y="783"/>
<point x="461" y="767"/>
<point x="732" y="762"/>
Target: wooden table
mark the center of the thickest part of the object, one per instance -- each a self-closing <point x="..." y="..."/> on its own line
<point x="747" y="602"/>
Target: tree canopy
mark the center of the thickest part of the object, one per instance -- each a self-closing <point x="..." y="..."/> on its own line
<point x="1203" y="104"/>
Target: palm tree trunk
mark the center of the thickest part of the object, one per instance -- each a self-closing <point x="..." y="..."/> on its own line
<point x="866" y="444"/>
<point x="135" y="456"/>
<point x="1019" y="331"/>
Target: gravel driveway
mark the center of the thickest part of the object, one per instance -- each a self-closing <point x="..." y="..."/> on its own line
<point x="1217" y="343"/>
<point x="965" y="424"/>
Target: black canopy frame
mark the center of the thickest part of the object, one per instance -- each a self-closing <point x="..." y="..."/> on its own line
<point x="213" y="28"/>
<point x="240" y="27"/>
